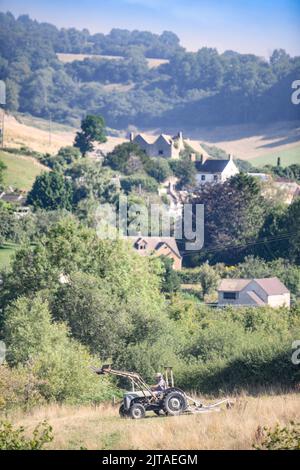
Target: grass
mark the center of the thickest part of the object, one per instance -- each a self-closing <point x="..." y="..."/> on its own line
<point x="101" y="428"/>
<point x="67" y="58"/>
<point x="21" y="171"/>
<point x="288" y="157"/>
<point x="6" y="253"/>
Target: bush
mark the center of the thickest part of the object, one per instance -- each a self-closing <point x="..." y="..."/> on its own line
<point x="14" y="438"/>
<point x="280" y="438"/>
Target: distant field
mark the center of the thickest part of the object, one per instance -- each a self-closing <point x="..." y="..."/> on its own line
<point x="21" y="171"/>
<point x="67" y="58"/>
<point x="6" y="252"/>
<point x="288" y="157"/>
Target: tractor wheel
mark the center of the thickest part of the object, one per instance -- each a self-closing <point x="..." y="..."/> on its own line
<point x="174" y="403"/>
<point x="137" y="411"/>
<point x="122" y="412"/>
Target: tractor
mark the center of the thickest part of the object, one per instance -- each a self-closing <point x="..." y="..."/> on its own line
<point x="170" y="402"/>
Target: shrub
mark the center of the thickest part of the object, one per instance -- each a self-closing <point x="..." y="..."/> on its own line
<point x="15" y="439"/>
<point x="280" y="438"/>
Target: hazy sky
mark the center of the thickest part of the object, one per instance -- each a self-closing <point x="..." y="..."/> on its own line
<point x="256" y="26"/>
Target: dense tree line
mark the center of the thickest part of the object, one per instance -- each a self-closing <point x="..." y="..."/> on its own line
<point x="216" y="88"/>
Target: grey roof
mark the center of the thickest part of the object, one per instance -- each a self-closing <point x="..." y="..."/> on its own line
<point x="255" y="297"/>
<point x="271" y="286"/>
<point x="233" y="285"/>
<point x="211" y="166"/>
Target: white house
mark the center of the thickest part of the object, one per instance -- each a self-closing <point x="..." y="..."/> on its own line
<point x="253" y="292"/>
<point x="215" y="171"/>
<point x="162" y="146"/>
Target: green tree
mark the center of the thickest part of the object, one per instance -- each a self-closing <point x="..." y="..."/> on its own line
<point x="208" y="278"/>
<point x="51" y="191"/>
<point x="171" y="279"/>
<point x="2" y="169"/>
<point x="92" y="130"/>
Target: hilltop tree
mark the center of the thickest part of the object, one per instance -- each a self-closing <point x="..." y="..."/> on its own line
<point x="2" y="169"/>
<point x="92" y="130"/>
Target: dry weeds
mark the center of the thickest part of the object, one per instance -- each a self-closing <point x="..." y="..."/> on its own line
<point x="101" y="428"/>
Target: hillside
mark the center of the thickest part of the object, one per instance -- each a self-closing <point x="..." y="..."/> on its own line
<point x="143" y="79"/>
<point x="26" y="131"/>
<point x="101" y="428"/>
<point x="69" y="58"/>
<point x="21" y="170"/>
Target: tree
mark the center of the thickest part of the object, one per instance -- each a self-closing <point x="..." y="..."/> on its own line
<point x="2" y="169"/>
<point x="184" y="170"/>
<point x="92" y="130"/>
<point x="208" y="278"/>
<point x="51" y="191"/>
<point x="159" y="169"/>
<point x="170" y="278"/>
<point x="45" y="350"/>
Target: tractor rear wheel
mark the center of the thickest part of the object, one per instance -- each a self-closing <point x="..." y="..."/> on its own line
<point x="174" y="403"/>
<point x="137" y="411"/>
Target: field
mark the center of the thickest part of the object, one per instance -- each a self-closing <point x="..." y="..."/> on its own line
<point x="260" y="144"/>
<point x="6" y="252"/>
<point x="287" y="157"/>
<point x="21" y="171"/>
<point x="101" y="428"/>
<point x="34" y="134"/>
<point x="67" y="58"/>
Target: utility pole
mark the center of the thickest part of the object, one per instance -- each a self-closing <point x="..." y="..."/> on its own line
<point x="50" y="128"/>
<point x="2" y="105"/>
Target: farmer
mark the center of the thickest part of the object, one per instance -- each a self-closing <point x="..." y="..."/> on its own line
<point x="160" y="385"/>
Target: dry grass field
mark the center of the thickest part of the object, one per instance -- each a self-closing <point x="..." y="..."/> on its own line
<point x="67" y="58"/>
<point x="101" y="428"/>
<point x="34" y="134"/>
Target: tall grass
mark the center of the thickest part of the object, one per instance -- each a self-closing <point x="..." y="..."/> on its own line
<point x="101" y="428"/>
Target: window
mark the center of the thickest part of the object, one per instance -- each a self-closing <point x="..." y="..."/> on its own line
<point x="202" y="177"/>
<point x="160" y="152"/>
<point x="215" y="177"/>
<point x="230" y="295"/>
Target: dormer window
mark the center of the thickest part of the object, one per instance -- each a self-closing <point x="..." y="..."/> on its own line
<point x="203" y="178"/>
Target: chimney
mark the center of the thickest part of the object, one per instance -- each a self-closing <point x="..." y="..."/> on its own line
<point x="193" y="157"/>
<point x="230" y="157"/>
<point x="180" y="136"/>
<point x="131" y="136"/>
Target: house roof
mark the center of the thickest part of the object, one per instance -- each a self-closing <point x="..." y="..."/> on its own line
<point x="271" y="286"/>
<point x="211" y="166"/>
<point x="155" y="243"/>
<point x="233" y="285"/>
<point x="255" y="297"/>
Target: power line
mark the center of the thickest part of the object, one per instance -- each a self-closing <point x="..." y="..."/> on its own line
<point x="219" y="248"/>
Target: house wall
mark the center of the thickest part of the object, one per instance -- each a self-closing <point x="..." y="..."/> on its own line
<point x="276" y="301"/>
<point x="230" y="170"/>
<point x="165" y="251"/>
<point x="170" y="150"/>
<point x="209" y="178"/>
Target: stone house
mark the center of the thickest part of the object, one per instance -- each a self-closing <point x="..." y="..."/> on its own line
<point x="253" y="292"/>
<point x="158" y="246"/>
<point x="162" y="146"/>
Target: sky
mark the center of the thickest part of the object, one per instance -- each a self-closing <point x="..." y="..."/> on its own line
<point x="247" y="26"/>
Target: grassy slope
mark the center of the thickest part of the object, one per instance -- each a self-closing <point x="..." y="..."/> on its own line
<point x="6" y="253"/>
<point x="101" y="428"/>
<point x="21" y="171"/>
<point x="288" y="157"/>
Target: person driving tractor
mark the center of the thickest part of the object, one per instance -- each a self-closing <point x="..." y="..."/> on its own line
<point x="160" y="385"/>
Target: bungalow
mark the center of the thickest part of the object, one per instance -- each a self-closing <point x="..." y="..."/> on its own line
<point x="215" y="171"/>
<point x="158" y="246"/>
<point x="253" y="292"/>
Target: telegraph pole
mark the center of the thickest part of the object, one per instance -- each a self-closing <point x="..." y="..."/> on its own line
<point x="2" y="106"/>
